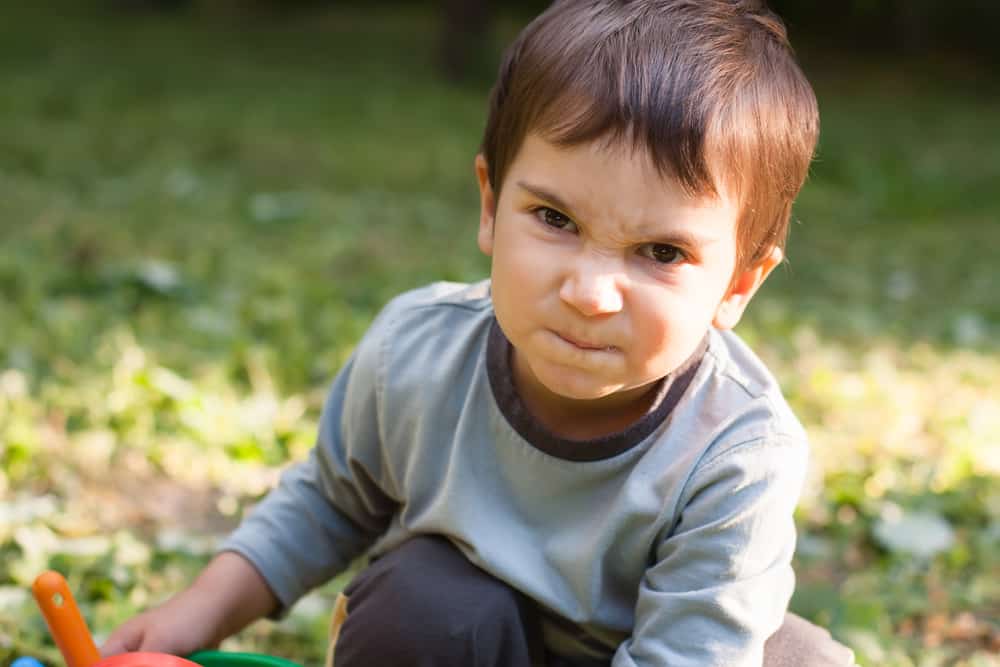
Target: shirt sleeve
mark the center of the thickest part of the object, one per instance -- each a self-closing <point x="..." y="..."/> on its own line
<point x="328" y="509"/>
<point x="722" y="579"/>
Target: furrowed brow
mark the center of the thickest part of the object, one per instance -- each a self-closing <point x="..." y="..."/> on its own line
<point x="546" y="195"/>
<point x="681" y="238"/>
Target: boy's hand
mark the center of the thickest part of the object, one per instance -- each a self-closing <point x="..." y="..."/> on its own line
<point x="228" y="595"/>
<point x="180" y="626"/>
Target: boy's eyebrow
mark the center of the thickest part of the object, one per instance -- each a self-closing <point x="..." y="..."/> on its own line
<point x="547" y="195"/>
<point x="682" y="238"/>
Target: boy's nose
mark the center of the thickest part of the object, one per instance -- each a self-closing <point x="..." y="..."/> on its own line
<point x="592" y="291"/>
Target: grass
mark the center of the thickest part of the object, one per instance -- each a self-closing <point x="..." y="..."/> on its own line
<point x="200" y="213"/>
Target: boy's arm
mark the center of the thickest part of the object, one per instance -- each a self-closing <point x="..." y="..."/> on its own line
<point x="329" y="508"/>
<point x="228" y="595"/>
<point x="722" y="580"/>
<point x="241" y="593"/>
<point x="325" y="511"/>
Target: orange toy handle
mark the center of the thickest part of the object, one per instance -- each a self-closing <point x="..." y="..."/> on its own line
<point x="65" y="621"/>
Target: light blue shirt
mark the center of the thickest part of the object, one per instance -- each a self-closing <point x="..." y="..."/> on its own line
<point x="667" y="544"/>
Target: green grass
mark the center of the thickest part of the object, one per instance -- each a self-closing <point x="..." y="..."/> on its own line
<point x="200" y="214"/>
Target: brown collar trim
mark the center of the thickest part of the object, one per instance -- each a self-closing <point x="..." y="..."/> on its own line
<point x="668" y="394"/>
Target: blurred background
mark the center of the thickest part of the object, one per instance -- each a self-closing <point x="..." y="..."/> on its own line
<point x="204" y="203"/>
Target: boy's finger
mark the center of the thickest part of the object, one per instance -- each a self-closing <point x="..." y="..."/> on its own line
<point x="110" y="648"/>
<point x="121" y="641"/>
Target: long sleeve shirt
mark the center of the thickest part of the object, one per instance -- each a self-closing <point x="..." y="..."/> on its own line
<point x="668" y="543"/>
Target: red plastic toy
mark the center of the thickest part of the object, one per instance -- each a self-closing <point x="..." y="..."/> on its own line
<point x="145" y="660"/>
<point x="71" y="635"/>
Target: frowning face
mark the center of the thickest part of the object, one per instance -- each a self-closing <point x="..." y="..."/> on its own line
<point x="605" y="275"/>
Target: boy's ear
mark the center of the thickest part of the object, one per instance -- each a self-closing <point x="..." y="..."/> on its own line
<point x="742" y="289"/>
<point x="487" y="206"/>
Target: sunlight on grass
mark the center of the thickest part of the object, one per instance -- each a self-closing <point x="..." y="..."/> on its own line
<point x="195" y="238"/>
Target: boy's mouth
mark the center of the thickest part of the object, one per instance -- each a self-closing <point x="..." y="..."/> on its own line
<point x="584" y="345"/>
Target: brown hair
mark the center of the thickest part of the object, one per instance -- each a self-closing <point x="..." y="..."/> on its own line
<point x="708" y="88"/>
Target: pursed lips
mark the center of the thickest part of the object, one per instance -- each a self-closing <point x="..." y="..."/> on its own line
<point x="584" y="345"/>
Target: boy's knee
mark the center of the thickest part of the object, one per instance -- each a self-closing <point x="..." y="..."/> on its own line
<point x="799" y="643"/>
<point x="429" y="574"/>
<point x="424" y="603"/>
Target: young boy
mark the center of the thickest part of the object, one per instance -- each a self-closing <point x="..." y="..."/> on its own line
<point x="576" y="462"/>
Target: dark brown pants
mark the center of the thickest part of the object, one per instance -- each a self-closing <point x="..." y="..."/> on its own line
<point x="425" y="605"/>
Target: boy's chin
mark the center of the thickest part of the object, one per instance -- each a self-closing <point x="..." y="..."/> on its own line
<point x="574" y="390"/>
<point x="590" y="393"/>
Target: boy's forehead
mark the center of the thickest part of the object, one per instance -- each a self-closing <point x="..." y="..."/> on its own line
<point x="598" y="176"/>
<point x="602" y="149"/>
<point x="617" y="197"/>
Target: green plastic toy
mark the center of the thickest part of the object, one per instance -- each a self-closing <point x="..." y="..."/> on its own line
<point x="69" y="630"/>
<point x="230" y="659"/>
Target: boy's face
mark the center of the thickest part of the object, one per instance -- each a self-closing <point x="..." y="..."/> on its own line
<point x="606" y="276"/>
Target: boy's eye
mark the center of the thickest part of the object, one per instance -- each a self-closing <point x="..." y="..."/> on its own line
<point x="554" y="218"/>
<point x="663" y="253"/>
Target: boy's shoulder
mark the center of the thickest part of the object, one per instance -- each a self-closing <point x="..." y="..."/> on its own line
<point x="442" y="294"/>
<point x="424" y="323"/>
<point x="734" y="360"/>
<point x="424" y="313"/>
<point x="424" y="349"/>
<point x="738" y="399"/>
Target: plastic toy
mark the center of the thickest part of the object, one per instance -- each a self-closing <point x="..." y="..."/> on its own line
<point x="26" y="662"/>
<point x="69" y="630"/>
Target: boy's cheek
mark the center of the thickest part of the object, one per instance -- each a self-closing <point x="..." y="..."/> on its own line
<point x="532" y="271"/>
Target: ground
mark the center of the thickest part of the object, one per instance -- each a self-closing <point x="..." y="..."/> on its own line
<point x="197" y="224"/>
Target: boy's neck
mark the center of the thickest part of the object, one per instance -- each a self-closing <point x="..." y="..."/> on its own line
<point x="574" y="419"/>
